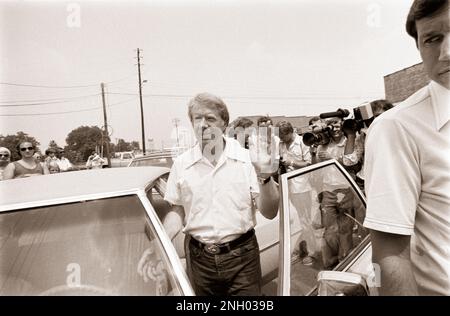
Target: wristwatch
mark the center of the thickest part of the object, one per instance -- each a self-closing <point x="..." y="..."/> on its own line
<point x="263" y="181"/>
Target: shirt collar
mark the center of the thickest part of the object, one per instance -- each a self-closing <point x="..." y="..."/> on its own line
<point x="233" y="150"/>
<point x="440" y="101"/>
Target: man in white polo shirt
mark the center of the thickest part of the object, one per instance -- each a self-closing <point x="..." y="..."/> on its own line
<point x="213" y="189"/>
<point x="407" y="169"/>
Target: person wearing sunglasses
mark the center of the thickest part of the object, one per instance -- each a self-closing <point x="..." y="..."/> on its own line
<point x="5" y="158"/>
<point x="27" y="166"/>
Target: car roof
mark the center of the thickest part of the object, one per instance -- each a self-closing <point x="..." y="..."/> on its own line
<point x="71" y="186"/>
<point x="155" y="156"/>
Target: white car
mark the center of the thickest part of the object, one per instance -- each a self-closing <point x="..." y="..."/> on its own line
<point x="83" y="233"/>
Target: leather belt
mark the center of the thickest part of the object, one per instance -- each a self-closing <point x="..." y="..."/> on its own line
<point x="216" y="249"/>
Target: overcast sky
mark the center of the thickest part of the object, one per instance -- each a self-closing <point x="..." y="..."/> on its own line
<point x="278" y="57"/>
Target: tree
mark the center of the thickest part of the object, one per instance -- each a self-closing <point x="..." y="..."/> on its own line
<point x="11" y="141"/>
<point x="123" y="145"/>
<point x="53" y="144"/>
<point x="82" y="141"/>
<point x="135" y="145"/>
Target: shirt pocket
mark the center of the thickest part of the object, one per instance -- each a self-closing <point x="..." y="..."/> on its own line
<point x="237" y="195"/>
<point x="195" y="196"/>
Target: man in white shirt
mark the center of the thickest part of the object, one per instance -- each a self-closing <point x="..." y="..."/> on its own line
<point x="64" y="163"/>
<point x="95" y="161"/>
<point x="295" y="155"/>
<point x="213" y="188"/>
<point x="407" y="170"/>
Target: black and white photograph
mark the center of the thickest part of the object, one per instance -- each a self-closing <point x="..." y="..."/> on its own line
<point x="225" y="148"/>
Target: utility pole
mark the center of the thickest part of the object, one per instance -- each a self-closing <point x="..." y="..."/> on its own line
<point x="140" y="100"/>
<point x="176" y="121"/>
<point x="106" y="126"/>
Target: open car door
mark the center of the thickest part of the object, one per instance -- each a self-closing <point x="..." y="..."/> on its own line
<point x="325" y="250"/>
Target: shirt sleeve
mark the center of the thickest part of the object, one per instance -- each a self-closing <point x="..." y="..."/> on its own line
<point x="306" y="155"/>
<point x="392" y="178"/>
<point x="173" y="192"/>
<point x="253" y="179"/>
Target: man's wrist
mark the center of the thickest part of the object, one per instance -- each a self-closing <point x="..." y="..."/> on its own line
<point x="262" y="180"/>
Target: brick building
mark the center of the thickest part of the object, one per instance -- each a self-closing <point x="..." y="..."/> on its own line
<point x="401" y="84"/>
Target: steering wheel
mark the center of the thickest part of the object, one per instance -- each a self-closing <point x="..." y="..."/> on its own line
<point x="80" y="290"/>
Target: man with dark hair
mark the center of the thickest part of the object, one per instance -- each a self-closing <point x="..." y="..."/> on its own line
<point x="295" y="155"/>
<point x="407" y="170"/>
<point x="264" y="120"/>
<point x="241" y="131"/>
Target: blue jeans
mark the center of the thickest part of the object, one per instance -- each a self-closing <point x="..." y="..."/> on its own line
<point x="237" y="272"/>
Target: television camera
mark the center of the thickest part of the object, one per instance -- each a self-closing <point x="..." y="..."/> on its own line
<point x="320" y="134"/>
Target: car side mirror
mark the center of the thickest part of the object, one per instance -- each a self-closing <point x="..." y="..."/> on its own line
<point x="338" y="283"/>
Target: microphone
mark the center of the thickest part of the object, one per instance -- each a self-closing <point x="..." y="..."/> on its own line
<point x="339" y="113"/>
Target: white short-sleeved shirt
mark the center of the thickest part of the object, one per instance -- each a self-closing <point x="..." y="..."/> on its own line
<point x="331" y="178"/>
<point x="64" y="164"/>
<point x="301" y="151"/>
<point x="407" y="171"/>
<point x="218" y="201"/>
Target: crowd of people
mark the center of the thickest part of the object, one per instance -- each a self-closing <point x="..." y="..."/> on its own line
<point x="32" y="162"/>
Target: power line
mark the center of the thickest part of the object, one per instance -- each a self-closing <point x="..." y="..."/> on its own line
<point x="51" y="99"/>
<point x="67" y="112"/>
<point x="246" y="97"/>
<point x="63" y="100"/>
<point x="42" y="86"/>
<point x="58" y="87"/>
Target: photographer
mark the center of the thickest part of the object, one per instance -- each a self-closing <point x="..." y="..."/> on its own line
<point x="316" y="124"/>
<point x="337" y="237"/>
<point x="356" y="136"/>
<point x="95" y="161"/>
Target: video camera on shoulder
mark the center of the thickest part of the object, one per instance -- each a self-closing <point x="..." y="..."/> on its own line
<point x="363" y="117"/>
<point x="320" y="135"/>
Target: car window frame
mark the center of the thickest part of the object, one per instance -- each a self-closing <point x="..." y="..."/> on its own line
<point x="171" y="253"/>
<point x="284" y="275"/>
<point x="179" y="276"/>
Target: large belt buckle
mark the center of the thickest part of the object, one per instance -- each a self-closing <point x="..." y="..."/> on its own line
<point x="212" y="249"/>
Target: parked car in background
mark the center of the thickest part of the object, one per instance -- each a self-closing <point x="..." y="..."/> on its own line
<point x="122" y="159"/>
<point x="163" y="158"/>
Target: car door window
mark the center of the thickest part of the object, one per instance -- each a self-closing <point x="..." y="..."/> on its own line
<point x="85" y="248"/>
<point x="322" y="215"/>
<point x="162" y="207"/>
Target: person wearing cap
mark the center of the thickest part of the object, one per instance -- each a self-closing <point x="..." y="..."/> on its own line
<point x="5" y="158"/>
<point x="407" y="170"/>
<point x="51" y="161"/>
<point x="214" y="189"/>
